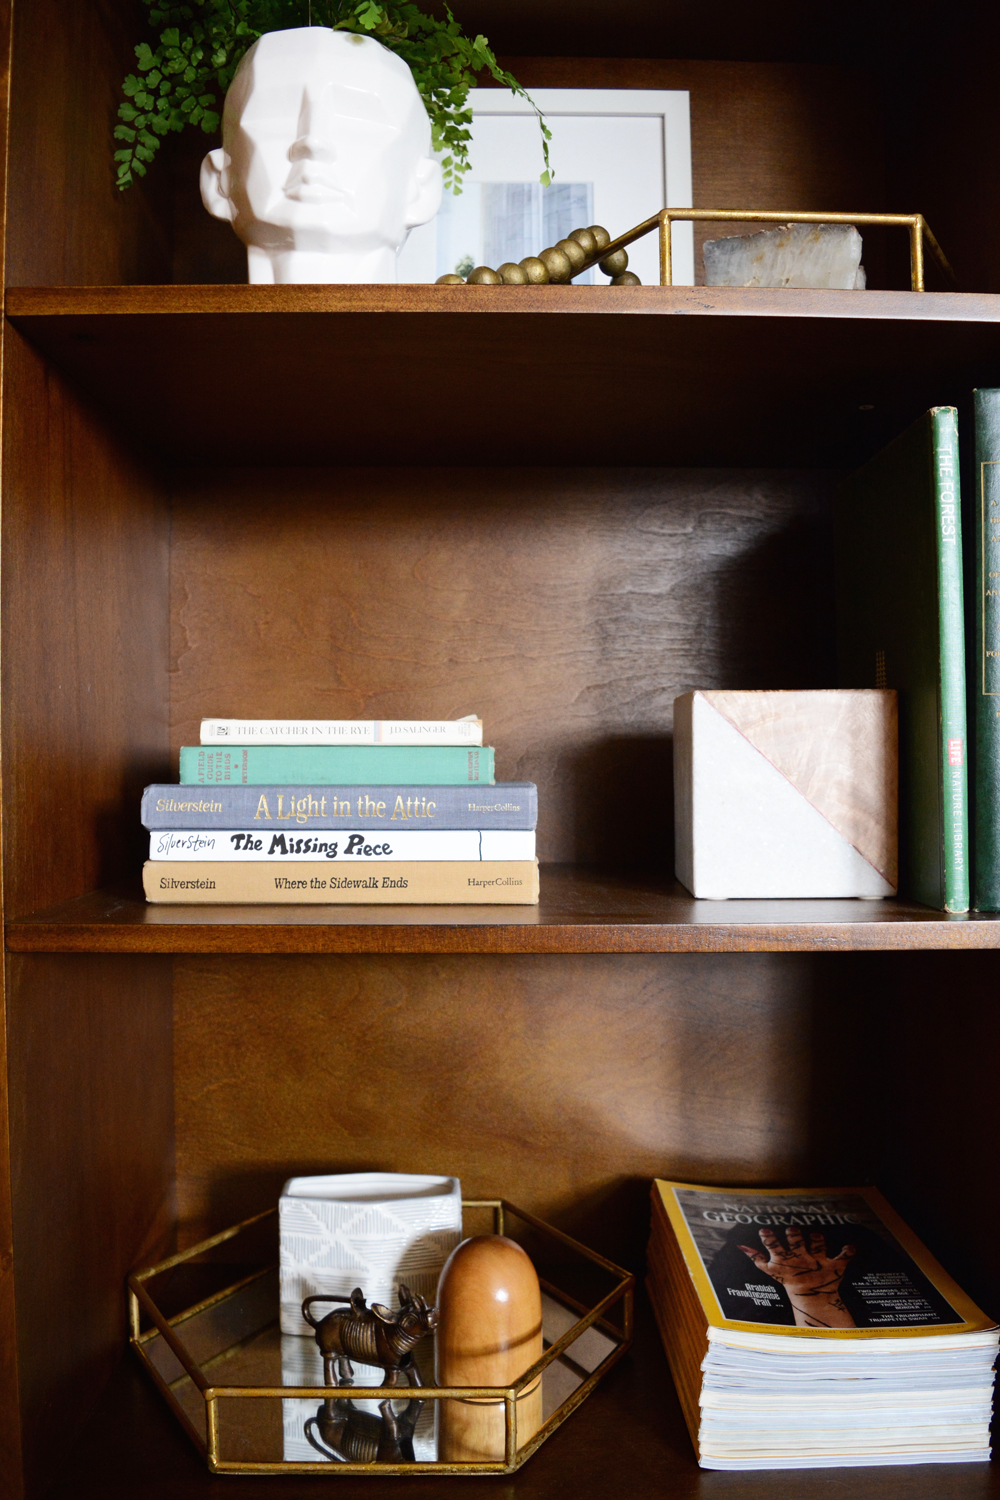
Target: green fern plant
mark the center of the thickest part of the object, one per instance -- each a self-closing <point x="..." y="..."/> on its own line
<point x="182" y="78"/>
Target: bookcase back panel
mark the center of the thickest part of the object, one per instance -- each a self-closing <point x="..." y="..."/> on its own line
<point x="568" y="608"/>
<point x="85" y="642"/>
<point x="91" y="1134"/>
<point x="562" y="1083"/>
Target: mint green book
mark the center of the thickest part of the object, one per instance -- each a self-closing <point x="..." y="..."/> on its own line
<point x="900" y="624"/>
<point x="338" y="765"/>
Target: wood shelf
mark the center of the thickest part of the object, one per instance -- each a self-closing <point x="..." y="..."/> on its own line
<point x="629" y="1431"/>
<point x="567" y="375"/>
<point x="581" y="911"/>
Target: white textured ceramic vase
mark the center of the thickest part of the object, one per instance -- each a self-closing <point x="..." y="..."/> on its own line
<point x="366" y="1229"/>
<point x="325" y="164"/>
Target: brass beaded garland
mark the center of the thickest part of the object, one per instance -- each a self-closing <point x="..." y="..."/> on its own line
<point x="483" y="276"/>
<point x="615" y="263"/>
<point x="601" y="235"/>
<point x="574" y="253"/>
<point x="586" y="241"/>
<point x="450" y="280"/>
<point x="536" y="270"/>
<point x="627" y="278"/>
<point x="512" y="274"/>
<point x="558" y="264"/>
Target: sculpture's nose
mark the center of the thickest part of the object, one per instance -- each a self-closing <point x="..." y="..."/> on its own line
<point x="312" y="148"/>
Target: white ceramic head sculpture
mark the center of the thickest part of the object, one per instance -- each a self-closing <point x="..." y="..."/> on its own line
<point x="325" y="164"/>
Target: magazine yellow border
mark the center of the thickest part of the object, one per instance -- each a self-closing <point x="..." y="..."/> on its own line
<point x="974" y="1320"/>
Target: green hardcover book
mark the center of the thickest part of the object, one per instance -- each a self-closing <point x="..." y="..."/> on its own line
<point x="338" y="765"/>
<point x="984" y="660"/>
<point x="900" y="625"/>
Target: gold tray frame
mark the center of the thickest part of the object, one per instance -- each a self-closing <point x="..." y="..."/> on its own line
<point x="139" y="1301"/>
<point x="916" y="224"/>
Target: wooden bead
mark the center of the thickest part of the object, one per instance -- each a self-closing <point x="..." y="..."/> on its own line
<point x="613" y="264"/>
<point x="483" y="276"/>
<point x="489" y="1332"/>
<point x="574" y="253"/>
<point x="450" y="280"/>
<point x="512" y="275"/>
<point x="601" y="235"/>
<point x="558" y="265"/>
<point x="536" y="270"/>
<point x="627" y="278"/>
<point x="587" y="242"/>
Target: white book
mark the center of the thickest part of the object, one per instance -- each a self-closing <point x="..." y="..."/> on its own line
<point x="342" y="846"/>
<point x="467" y="731"/>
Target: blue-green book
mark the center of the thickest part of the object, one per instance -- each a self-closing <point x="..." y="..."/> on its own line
<point x="336" y="765"/>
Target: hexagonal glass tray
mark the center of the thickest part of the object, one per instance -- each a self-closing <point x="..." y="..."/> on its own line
<point x="205" y="1325"/>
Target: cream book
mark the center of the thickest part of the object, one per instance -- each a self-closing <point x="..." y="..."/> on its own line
<point x="369" y="882"/>
<point x="467" y="731"/>
<point x="810" y="1328"/>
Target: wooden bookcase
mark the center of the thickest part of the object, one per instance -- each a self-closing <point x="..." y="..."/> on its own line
<point x="561" y="508"/>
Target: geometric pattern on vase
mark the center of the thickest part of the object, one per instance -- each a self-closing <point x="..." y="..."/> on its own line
<point x="367" y="1229"/>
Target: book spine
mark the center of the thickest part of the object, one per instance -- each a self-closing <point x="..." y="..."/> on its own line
<point x="367" y="808"/>
<point x="985" y="686"/>
<point x="369" y="883"/>
<point x="952" y="699"/>
<point x="341" y="732"/>
<point x="381" y="765"/>
<point x="345" y="848"/>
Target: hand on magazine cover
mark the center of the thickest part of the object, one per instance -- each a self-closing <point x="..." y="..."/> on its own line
<point x="810" y="1277"/>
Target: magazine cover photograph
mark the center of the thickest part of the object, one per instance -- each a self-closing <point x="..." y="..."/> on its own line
<point x="815" y="1260"/>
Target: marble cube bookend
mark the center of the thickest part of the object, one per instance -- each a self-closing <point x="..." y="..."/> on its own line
<point x="786" y="794"/>
<point x="366" y="1229"/>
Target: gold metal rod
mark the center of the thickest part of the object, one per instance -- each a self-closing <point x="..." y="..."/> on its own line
<point x="429" y="1469"/>
<point x="212" y="1428"/>
<point x="666" y="252"/>
<point x="566" y="1239"/>
<point x="916" y="258"/>
<point x="570" y="1337"/>
<point x="558" y="1294"/>
<point x="170" y="1338"/>
<point x="229" y="1291"/>
<point x="510" y="1430"/>
<point x="203" y="1245"/>
<point x="494" y="1394"/>
<point x="134" y="1321"/>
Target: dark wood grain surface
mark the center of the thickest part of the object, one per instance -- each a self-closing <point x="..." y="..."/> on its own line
<point x="91" y="1130"/>
<point x="85" y="599"/>
<point x="581" y="911"/>
<point x="567" y="607"/>
<point x="547" y="375"/>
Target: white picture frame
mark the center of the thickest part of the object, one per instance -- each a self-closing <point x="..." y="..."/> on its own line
<point x="618" y="157"/>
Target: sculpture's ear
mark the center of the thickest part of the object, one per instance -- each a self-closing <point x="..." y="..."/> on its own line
<point x="425" y="192"/>
<point x="213" y="194"/>
<point x="405" y="1295"/>
<point x="382" y="1313"/>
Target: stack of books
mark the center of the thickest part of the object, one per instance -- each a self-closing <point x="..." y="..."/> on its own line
<point x="812" y="1329"/>
<point x="319" y="811"/>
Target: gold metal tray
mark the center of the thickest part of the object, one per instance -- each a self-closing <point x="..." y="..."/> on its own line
<point x="252" y="1400"/>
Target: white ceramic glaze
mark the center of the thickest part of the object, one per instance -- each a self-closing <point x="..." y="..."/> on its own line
<point x="367" y="1229"/>
<point x="325" y="162"/>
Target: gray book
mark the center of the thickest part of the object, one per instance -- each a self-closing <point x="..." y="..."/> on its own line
<point x="512" y="805"/>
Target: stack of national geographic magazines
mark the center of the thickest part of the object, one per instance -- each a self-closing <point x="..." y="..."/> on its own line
<point x="812" y="1329"/>
<point x="360" y="811"/>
